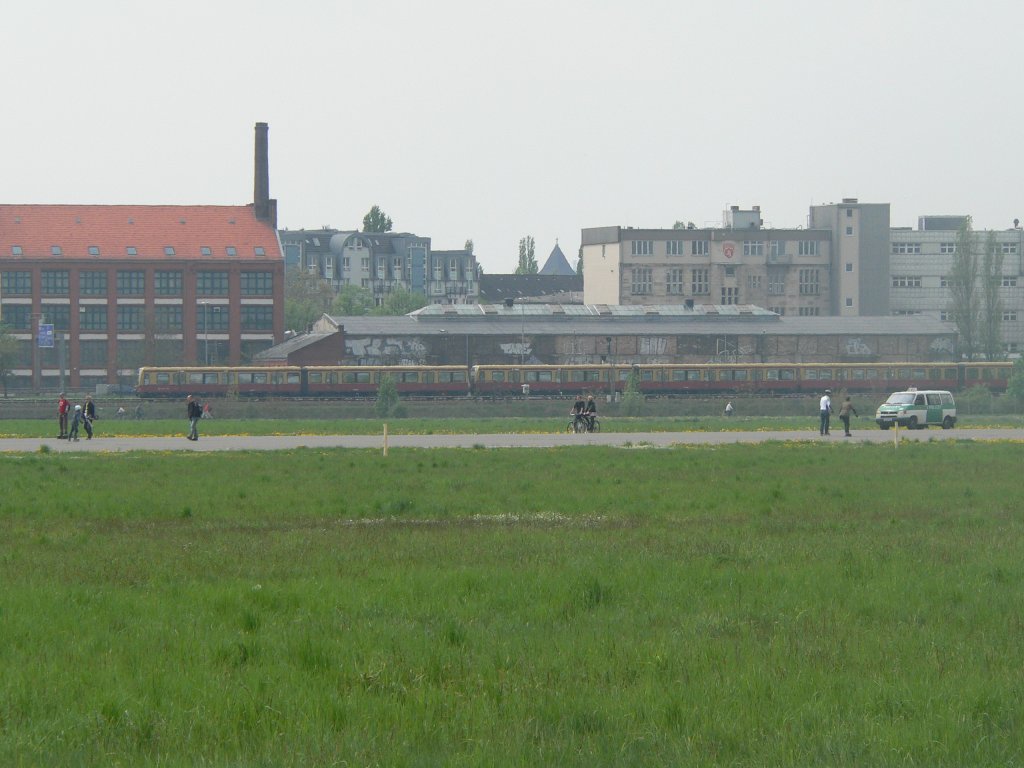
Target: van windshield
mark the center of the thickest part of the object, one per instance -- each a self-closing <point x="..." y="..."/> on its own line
<point x="900" y="398"/>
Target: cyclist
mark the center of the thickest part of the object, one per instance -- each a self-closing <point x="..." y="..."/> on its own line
<point x="577" y="411"/>
<point x="590" y="413"/>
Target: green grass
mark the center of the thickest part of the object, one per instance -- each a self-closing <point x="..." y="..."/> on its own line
<point x="741" y="605"/>
<point x="39" y="428"/>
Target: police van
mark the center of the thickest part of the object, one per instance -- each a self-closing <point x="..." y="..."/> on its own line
<point x="917" y="409"/>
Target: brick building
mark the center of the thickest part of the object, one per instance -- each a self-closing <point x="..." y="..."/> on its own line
<point x="130" y="285"/>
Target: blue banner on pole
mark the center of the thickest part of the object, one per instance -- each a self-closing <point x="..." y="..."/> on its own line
<point x="45" y="337"/>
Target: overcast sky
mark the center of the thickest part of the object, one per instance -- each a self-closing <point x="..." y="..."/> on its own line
<point x="492" y="121"/>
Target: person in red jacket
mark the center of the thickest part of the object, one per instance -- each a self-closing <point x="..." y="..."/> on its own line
<point x="63" y="406"/>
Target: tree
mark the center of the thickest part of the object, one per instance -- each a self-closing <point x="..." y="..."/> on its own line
<point x="1015" y="386"/>
<point x="401" y="302"/>
<point x="352" y="300"/>
<point x="8" y="355"/>
<point x="965" y="302"/>
<point x="684" y="225"/>
<point x="632" y="398"/>
<point x="991" y="301"/>
<point x="376" y="221"/>
<point x="469" y="246"/>
<point x="579" y="263"/>
<point x="387" y="403"/>
<point x="306" y="298"/>
<point x="527" y="259"/>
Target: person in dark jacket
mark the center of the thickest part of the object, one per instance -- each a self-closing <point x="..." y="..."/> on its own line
<point x="195" y="413"/>
<point x="88" y="416"/>
<point x="590" y="412"/>
<point x="844" y="414"/>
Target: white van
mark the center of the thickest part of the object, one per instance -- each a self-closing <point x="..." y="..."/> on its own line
<point x="917" y="409"/>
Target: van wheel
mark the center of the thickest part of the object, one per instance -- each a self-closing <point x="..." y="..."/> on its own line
<point x="947" y="423"/>
<point x="912" y="424"/>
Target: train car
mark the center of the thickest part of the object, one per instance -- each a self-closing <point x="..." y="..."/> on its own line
<point x="203" y="381"/>
<point x="364" y="380"/>
<point x="995" y="376"/>
<point x="554" y="380"/>
<point x="673" y="379"/>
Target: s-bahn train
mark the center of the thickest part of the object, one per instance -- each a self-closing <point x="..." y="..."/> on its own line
<point x="563" y="380"/>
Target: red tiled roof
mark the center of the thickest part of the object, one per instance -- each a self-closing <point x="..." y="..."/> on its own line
<point x="148" y="228"/>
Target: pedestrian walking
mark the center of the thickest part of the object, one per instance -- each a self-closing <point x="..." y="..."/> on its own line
<point x="76" y="419"/>
<point x="825" y="411"/>
<point x="844" y="414"/>
<point x="88" y="416"/>
<point x="195" y="413"/>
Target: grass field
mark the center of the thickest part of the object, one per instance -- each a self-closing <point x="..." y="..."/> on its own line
<point x="41" y="428"/>
<point x="743" y="605"/>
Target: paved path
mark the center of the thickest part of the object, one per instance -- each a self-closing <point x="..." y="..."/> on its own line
<point x="537" y="440"/>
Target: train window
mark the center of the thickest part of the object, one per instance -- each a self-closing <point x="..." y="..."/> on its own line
<point x="678" y="375"/>
<point x="458" y="375"/>
<point x="741" y="375"/>
<point x="825" y="374"/>
<point x="163" y="378"/>
<point x="260" y="377"/>
<point x="211" y="378"/>
<point x="934" y="374"/>
<point x="949" y="373"/>
<point x="1003" y="373"/>
<point x="986" y="373"/>
<point x="293" y="377"/>
<point x="623" y="375"/>
<point x="277" y="378"/>
<point x="771" y="375"/>
<point x="537" y="375"/>
<point x="428" y="377"/>
<point x="972" y="373"/>
<point x="857" y="374"/>
<point x="410" y="377"/>
<point x="810" y="374"/>
<point x="245" y="378"/>
<point x="497" y="375"/>
<point x="316" y="377"/>
<point x="918" y="373"/>
<point x="872" y="373"/>
<point x="787" y="374"/>
<point x="646" y="375"/>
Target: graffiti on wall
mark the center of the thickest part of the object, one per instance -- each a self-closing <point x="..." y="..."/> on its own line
<point x="653" y="345"/>
<point x="857" y="347"/>
<point x="385" y="351"/>
<point x="942" y="345"/>
<point x="517" y="349"/>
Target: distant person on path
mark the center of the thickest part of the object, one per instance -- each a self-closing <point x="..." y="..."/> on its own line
<point x="76" y="419"/>
<point x="825" y="408"/>
<point x="577" y="409"/>
<point x="728" y="408"/>
<point x="89" y="410"/>
<point x="195" y="412"/>
<point x="85" y="419"/>
<point x="844" y="414"/>
<point x="63" y="406"/>
<point x="121" y="412"/>
<point x="590" y="413"/>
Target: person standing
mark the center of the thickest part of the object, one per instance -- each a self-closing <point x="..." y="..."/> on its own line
<point x="825" y="409"/>
<point x="844" y="414"/>
<point x="63" y="406"/>
<point x="195" y="413"/>
<point x="728" y="408"/>
<point x="90" y="416"/>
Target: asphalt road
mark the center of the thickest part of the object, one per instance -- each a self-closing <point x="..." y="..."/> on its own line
<point x="535" y="440"/>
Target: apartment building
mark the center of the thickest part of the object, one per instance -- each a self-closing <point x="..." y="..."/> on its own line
<point x="382" y="262"/>
<point x="788" y="271"/>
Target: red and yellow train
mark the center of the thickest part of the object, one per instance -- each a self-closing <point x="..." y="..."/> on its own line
<point x="561" y="380"/>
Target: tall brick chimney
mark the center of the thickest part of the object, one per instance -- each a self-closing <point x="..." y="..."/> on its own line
<point x="266" y="209"/>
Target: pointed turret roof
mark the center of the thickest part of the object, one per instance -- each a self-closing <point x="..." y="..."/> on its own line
<point x="557" y="264"/>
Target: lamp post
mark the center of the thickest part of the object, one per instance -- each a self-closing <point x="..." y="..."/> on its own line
<point x="611" y="370"/>
<point x="206" y="332"/>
